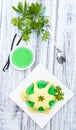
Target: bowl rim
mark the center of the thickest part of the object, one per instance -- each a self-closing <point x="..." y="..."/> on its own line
<point x="22" y="46"/>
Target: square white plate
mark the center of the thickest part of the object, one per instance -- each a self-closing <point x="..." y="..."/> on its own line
<point x="39" y="73"/>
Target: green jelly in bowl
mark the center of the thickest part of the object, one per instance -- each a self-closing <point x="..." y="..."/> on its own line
<point x="22" y="58"/>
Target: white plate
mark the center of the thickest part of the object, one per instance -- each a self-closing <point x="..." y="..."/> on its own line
<point x="39" y="73"/>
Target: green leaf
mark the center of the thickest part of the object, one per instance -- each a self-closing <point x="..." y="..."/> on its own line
<point x="26" y="37"/>
<point x="15" y="9"/>
<point x="27" y="30"/>
<point x="19" y="22"/>
<point x="25" y="6"/>
<point x="59" y="95"/>
<point x="41" y="98"/>
<point x="58" y="89"/>
<point x="14" y="21"/>
<point x="42" y="10"/>
<point x="38" y="8"/>
<point x="46" y="21"/>
<point x="45" y="35"/>
<point x="28" y="22"/>
<point x="40" y="22"/>
<point x="20" y="6"/>
<point x="35" y="9"/>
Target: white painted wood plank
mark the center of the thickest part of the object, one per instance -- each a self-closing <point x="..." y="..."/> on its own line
<point x="10" y="114"/>
<point x="1" y="5"/>
<point x="65" y="119"/>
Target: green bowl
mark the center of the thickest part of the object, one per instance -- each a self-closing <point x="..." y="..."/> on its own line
<point x="22" y="58"/>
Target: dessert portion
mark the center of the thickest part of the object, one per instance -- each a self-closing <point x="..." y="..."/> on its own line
<point x="41" y="96"/>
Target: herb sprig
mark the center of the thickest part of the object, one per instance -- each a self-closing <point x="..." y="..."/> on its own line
<point x="31" y="18"/>
<point x="59" y="95"/>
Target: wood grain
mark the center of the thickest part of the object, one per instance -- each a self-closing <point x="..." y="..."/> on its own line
<point x="67" y="72"/>
<point x="62" y="14"/>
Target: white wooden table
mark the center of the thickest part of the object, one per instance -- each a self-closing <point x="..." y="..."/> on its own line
<point x="62" y="14"/>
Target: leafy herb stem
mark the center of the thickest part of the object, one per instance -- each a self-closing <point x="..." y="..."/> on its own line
<point x="31" y="18"/>
<point x="59" y="95"/>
